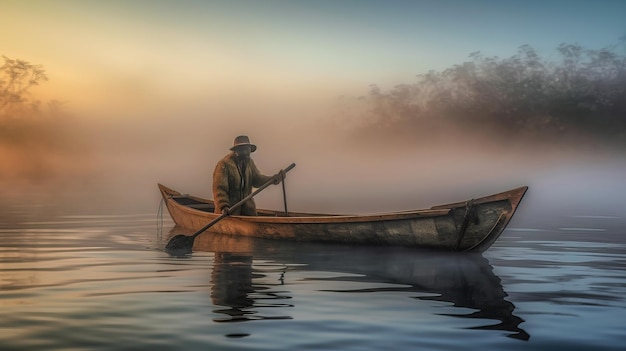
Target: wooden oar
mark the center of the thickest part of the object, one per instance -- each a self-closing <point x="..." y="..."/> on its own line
<point x="183" y="242"/>
<point x="282" y="179"/>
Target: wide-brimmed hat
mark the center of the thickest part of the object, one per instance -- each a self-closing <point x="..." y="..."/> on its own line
<point x="241" y="141"/>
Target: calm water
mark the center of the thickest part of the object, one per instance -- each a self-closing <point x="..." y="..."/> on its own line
<point x="75" y="280"/>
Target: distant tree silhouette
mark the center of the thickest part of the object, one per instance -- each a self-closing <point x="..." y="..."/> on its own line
<point x="17" y="77"/>
<point x="582" y="94"/>
<point x="35" y="142"/>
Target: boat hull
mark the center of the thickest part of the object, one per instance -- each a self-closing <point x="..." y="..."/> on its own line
<point x="473" y="225"/>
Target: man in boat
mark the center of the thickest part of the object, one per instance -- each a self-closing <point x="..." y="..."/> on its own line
<point x="234" y="177"/>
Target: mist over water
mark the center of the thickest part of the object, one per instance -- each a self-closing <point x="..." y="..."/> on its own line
<point x="122" y="160"/>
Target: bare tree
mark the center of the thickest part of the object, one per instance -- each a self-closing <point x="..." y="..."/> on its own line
<point x="17" y="77"/>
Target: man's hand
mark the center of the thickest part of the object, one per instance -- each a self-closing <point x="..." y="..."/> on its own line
<point x="278" y="177"/>
<point x="226" y="210"/>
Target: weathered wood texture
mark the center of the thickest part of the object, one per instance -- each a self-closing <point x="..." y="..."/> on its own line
<point x="464" y="226"/>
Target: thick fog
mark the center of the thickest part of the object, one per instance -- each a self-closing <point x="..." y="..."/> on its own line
<point x="116" y="162"/>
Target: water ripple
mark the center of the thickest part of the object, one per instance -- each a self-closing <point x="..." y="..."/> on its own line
<point x="102" y="282"/>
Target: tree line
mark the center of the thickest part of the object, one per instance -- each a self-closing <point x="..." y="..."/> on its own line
<point x="582" y="93"/>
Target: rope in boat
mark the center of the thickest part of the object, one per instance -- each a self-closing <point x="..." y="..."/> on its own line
<point x="160" y="219"/>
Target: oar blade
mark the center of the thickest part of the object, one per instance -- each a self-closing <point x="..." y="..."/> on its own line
<point x="180" y="242"/>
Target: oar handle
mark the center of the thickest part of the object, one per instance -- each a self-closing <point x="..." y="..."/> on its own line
<point x="243" y="201"/>
<point x="289" y="168"/>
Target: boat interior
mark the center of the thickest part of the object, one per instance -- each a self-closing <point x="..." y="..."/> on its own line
<point x="209" y="206"/>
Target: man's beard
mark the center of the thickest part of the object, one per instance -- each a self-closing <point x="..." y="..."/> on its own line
<point x="244" y="158"/>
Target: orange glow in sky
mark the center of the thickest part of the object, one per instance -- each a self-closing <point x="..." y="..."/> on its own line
<point x="123" y="55"/>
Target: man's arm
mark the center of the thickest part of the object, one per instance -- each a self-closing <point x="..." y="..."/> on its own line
<point x="258" y="178"/>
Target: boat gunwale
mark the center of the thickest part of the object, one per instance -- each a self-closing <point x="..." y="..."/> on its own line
<point x="316" y="218"/>
<point x="513" y="196"/>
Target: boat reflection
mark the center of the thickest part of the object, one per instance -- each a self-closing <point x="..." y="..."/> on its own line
<point x="465" y="280"/>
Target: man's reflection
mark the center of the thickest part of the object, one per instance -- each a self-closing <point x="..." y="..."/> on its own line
<point x="232" y="282"/>
<point x="233" y="287"/>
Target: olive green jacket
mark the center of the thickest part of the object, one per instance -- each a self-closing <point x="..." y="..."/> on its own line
<point x="228" y="188"/>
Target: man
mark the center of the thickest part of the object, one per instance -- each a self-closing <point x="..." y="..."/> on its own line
<point x="234" y="177"/>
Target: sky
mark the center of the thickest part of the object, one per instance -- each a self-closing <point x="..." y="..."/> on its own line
<point x="133" y="54"/>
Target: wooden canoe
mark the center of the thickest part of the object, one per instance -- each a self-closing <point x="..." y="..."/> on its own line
<point x="472" y="225"/>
